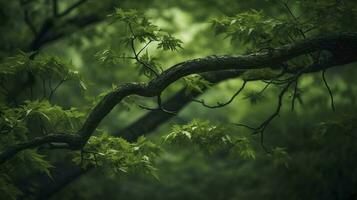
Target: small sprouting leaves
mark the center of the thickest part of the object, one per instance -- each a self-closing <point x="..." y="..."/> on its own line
<point x="141" y="32"/>
<point x="47" y="118"/>
<point x="243" y="148"/>
<point x="106" y="56"/>
<point x="168" y="42"/>
<point x="256" y="29"/>
<point x="145" y="31"/>
<point x="21" y="62"/>
<point x="51" y="71"/>
<point x="119" y="155"/>
<point x="343" y="124"/>
<point x="127" y="16"/>
<point x="195" y="83"/>
<point x="139" y="27"/>
<point x="280" y="157"/>
<point x="38" y="162"/>
<point x="211" y="139"/>
<point x="221" y="25"/>
<point x="38" y="118"/>
<point x="111" y="56"/>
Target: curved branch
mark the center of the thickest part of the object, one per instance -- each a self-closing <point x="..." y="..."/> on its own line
<point x="342" y="46"/>
<point x="136" y="55"/>
<point x="219" y="104"/>
<point x="339" y="42"/>
<point x="71" y="140"/>
<point x="328" y="89"/>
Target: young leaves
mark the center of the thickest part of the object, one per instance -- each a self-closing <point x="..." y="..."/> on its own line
<point x="119" y="155"/>
<point x="168" y="42"/>
<point x="256" y="29"/>
<point x="45" y="72"/>
<point x="211" y="139"/>
<point x="195" y="83"/>
<point x="141" y="33"/>
<point x="280" y="157"/>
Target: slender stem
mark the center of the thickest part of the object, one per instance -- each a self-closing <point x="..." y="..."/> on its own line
<point x="328" y="89"/>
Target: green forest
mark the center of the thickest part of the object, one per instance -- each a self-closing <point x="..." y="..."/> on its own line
<point x="178" y="99"/>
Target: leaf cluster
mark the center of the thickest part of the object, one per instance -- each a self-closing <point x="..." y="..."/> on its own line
<point x="211" y="139"/>
<point x="257" y="30"/>
<point x="119" y="155"/>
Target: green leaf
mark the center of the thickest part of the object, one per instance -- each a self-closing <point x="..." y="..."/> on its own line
<point x="148" y="64"/>
<point x="168" y="42"/>
<point x="211" y="139"/>
<point x="119" y="155"/>
<point x="196" y="83"/>
<point x="280" y="157"/>
<point x="39" y="162"/>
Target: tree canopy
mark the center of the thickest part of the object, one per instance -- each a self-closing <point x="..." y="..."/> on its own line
<point x="178" y="99"/>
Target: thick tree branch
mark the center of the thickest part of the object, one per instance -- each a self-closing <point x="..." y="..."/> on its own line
<point x="342" y="46"/>
<point x="340" y="42"/>
<point x="153" y="119"/>
<point x="63" y="176"/>
<point x="71" y="140"/>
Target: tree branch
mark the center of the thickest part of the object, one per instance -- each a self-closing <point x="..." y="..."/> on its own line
<point x="345" y="45"/>
<point x="71" y="140"/>
<point x="328" y="89"/>
<point x="219" y="104"/>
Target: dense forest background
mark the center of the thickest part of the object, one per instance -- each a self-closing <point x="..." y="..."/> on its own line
<point x="118" y="99"/>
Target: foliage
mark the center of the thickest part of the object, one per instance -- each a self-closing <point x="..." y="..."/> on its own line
<point x="211" y="139"/>
<point x="33" y="118"/>
<point x="195" y="83"/>
<point x="258" y="30"/>
<point x="119" y="156"/>
<point x="44" y="66"/>
<point x="142" y="31"/>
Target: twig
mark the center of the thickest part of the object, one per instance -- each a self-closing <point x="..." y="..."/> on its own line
<point x="295" y="18"/>
<point x="328" y="89"/>
<point x="262" y="127"/>
<point x="219" y="104"/>
<point x="52" y="92"/>
<point x="144" y="47"/>
<point x="136" y="55"/>
<point x="160" y="107"/>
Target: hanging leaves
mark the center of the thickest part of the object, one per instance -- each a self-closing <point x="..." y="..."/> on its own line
<point x="211" y="139"/>
<point x="119" y="155"/>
